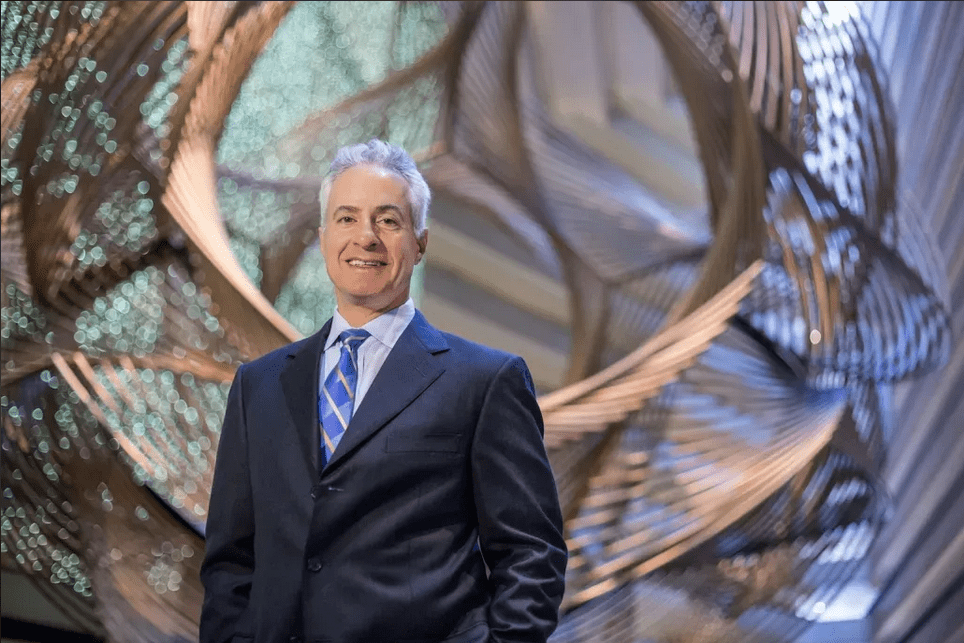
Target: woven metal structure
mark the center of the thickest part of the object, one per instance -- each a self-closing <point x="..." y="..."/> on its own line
<point x="717" y="443"/>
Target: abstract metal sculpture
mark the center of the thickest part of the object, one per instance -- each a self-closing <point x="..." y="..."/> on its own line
<point x="718" y="440"/>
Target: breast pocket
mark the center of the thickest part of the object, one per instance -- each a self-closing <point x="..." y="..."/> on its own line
<point x="424" y="443"/>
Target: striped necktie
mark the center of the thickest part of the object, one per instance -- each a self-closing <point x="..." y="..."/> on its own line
<point x="337" y="399"/>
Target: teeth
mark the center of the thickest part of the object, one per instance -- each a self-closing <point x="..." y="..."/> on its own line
<point x="359" y="262"/>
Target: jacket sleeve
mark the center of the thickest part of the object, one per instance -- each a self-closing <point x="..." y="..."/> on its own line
<point x="228" y="564"/>
<point x="520" y="521"/>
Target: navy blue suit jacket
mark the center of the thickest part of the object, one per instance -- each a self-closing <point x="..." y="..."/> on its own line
<point x="437" y="518"/>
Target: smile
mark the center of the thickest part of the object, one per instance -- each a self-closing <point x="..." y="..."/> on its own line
<point x="360" y="263"/>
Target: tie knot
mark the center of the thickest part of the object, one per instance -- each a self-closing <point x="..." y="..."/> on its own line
<point x="353" y="337"/>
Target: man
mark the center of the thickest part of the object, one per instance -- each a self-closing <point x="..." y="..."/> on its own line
<point x="381" y="480"/>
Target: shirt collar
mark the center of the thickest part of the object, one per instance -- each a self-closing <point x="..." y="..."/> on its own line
<point x="386" y="328"/>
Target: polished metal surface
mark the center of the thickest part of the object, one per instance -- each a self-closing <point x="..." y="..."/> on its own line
<point x="718" y="439"/>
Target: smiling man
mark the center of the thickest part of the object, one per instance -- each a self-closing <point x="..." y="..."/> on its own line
<point x="381" y="481"/>
<point x="370" y="241"/>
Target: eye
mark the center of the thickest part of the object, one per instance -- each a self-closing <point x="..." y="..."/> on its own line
<point x="389" y="221"/>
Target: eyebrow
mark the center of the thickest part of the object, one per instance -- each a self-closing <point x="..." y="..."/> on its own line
<point x="382" y="208"/>
<point x="388" y="206"/>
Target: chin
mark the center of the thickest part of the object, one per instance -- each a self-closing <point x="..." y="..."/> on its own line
<point x="365" y="291"/>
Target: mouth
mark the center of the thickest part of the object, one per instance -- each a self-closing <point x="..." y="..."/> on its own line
<point x="366" y="263"/>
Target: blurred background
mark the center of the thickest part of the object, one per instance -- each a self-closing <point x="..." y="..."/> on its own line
<point x="725" y="237"/>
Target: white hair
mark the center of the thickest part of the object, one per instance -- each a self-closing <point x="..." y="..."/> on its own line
<point x="389" y="157"/>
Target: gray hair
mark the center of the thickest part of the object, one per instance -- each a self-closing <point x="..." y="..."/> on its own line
<point x="389" y="157"/>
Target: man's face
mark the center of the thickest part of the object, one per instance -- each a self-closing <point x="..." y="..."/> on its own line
<point x="368" y="240"/>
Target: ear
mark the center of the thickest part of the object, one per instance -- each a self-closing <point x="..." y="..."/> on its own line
<point x="422" y="245"/>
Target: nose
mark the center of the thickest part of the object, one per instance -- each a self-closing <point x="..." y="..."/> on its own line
<point x="367" y="236"/>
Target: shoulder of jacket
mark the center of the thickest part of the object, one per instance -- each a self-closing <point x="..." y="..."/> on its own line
<point x="276" y="358"/>
<point x="483" y="356"/>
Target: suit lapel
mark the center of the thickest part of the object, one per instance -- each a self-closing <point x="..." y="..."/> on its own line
<point x="299" y="381"/>
<point x="409" y="369"/>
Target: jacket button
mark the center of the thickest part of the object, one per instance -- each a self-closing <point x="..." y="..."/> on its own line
<point x="315" y="491"/>
<point x="296" y="639"/>
<point x="314" y="565"/>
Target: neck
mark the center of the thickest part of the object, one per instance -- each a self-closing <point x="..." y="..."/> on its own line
<point x="359" y="314"/>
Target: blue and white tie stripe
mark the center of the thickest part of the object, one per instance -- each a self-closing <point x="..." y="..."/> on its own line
<point x="337" y="400"/>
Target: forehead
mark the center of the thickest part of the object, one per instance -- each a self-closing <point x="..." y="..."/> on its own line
<point x="368" y="185"/>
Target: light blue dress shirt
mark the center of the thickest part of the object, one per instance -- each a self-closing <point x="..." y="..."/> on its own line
<point x="385" y="330"/>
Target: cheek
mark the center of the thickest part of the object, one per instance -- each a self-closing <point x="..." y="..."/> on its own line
<point x="327" y="251"/>
<point x="405" y="268"/>
<point x="331" y="250"/>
